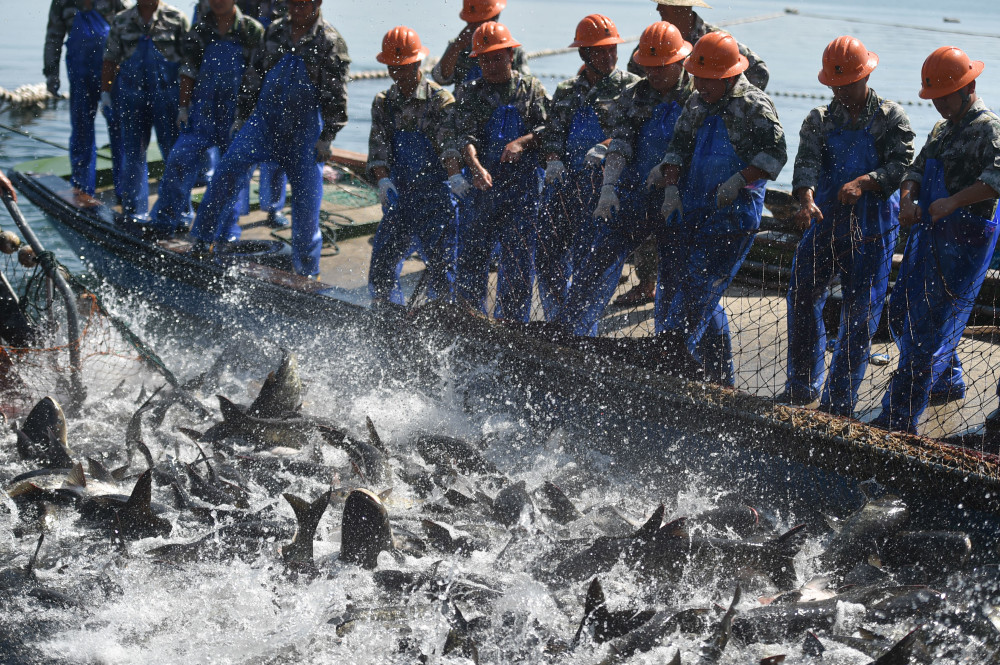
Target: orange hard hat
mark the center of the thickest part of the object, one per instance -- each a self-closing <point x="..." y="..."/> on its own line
<point x="661" y="44"/>
<point x="596" y="30"/>
<point x="947" y="70"/>
<point x="716" y="56"/>
<point x="477" y="11"/>
<point x="491" y="36"/>
<point x="846" y="61"/>
<point x="401" y="46"/>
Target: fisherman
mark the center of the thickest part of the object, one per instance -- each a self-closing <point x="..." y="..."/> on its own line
<point x="574" y="143"/>
<point x="681" y="14"/>
<point x="411" y="127"/>
<point x="642" y="124"/>
<point x="216" y="52"/>
<point x="87" y="24"/>
<point x="495" y="119"/>
<point x="948" y="198"/>
<point x="852" y="156"/>
<point x="273" y="183"/>
<point x="139" y="83"/>
<point x="726" y="143"/>
<point x="457" y="66"/>
<point x="293" y="101"/>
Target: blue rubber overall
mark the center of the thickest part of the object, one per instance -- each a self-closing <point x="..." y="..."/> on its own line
<point x="505" y="214"/>
<point x="595" y="277"/>
<point x="273" y="188"/>
<point x="84" y="58"/>
<point x="145" y="97"/>
<point x="855" y="242"/>
<point x="944" y="264"/>
<point x="422" y="216"/>
<point x="213" y="111"/>
<point x="567" y="225"/>
<point x="711" y="243"/>
<point x="284" y="128"/>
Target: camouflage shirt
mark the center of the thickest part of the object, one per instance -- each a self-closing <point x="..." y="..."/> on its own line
<point x="889" y="127"/>
<point x="428" y="111"/>
<point x="752" y="123"/>
<point x="635" y="108"/>
<point x="968" y="150"/>
<point x="575" y="93"/>
<point x="264" y="10"/>
<point x="466" y="62"/>
<point x="476" y="101"/>
<point x="166" y="29"/>
<point x="756" y="73"/>
<point x="61" y="15"/>
<point x="325" y="54"/>
<point x="245" y="31"/>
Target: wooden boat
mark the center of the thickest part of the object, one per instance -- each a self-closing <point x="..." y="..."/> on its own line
<point x="638" y="385"/>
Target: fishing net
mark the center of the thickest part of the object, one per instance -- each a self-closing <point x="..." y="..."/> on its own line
<point x="110" y="354"/>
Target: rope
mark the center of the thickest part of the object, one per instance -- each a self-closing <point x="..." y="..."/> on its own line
<point x="908" y="26"/>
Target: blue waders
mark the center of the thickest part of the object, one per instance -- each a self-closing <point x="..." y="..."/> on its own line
<point x="273" y="187"/>
<point x="423" y="215"/>
<point x="711" y="245"/>
<point x="145" y="97"/>
<point x="855" y="242"/>
<point x="567" y="227"/>
<point x="943" y="268"/>
<point x="213" y="111"/>
<point x="596" y="275"/>
<point x="284" y="128"/>
<point x="505" y="214"/>
<point x="84" y="58"/>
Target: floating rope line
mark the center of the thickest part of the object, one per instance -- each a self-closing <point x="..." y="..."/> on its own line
<point x="908" y="26"/>
<point x="34" y="95"/>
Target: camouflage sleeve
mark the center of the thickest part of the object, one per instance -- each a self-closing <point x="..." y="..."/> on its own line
<point x="114" y="50"/>
<point x="538" y="108"/>
<point x="757" y="72"/>
<point x="380" y="137"/>
<point x="192" y="53"/>
<point x="766" y="136"/>
<point x="436" y="72"/>
<point x="55" y="33"/>
<point x="809" y="158"/>
<point x="898" y="149"/>
<point x="623" y="133"/>
<point x="520" y="62"/>
<point x="916" y="170"/>
<point x="681" y="147"/>
<point x="560" y="115"/>
<point x="444" y="105"/>
<point x="464" y="122"/>
<point x="991" y="145"/>
<point x="633" y="67"/>
<point x="333" y="92"/>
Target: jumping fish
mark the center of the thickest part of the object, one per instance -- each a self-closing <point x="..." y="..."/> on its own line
<point x="42" y="437"/>
<point x="365" y="531"/>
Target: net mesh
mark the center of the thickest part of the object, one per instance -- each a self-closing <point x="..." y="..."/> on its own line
<point x="757" y="309"/>
<point x="109" y="355"/>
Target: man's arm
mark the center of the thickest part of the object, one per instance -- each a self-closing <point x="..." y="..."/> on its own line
<point x="55" y="33"/>
<point x="333" y="91"/>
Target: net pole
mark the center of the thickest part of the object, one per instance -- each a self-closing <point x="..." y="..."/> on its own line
<point x="51" y="268"/>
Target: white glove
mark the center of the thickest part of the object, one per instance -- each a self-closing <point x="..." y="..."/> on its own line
<point x="596" y="155"/>
<point x="324" y="151"/>
<point x="385" y="188"/>
<point x="729" y="190"/>
<point x="107" y="106"/>
<point x="459" y="185"/>
<point x="671" y="202"/>
<point x="52" y="85"/>
<point x="183" y="117"/>
<point x="655" y="177"/>
<point x="555" y="171"/>
<point x="608" y="204"/>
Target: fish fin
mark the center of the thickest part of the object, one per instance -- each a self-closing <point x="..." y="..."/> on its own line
<point x="231" y="411"/>
<point x="120" y="473"/>
<point x="713" y="651"/>
<point x="192" y="434"/>
<point x="76" y="477"/>
<point x="674" y="529"/>
<point x="652" y="525"/>
<point x="869" y="635"/>
<point x="99" y="471"/>
<point x="900" y="653"/>
<point x="133" y="439"/>
<point x="29" y="570"/>
<point x="780" y="553"/>
<point x="676" y="660"/>
<point x="307" y="517"/>
<point x="794" y="537"/>
<point x="142" y="494"/>
<point x="835" y="523"/>
<point x="385" y="494"/>
<point x="373" y="436"/>
<point x="812" y="646"/>
<point x="592" y="606"/>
